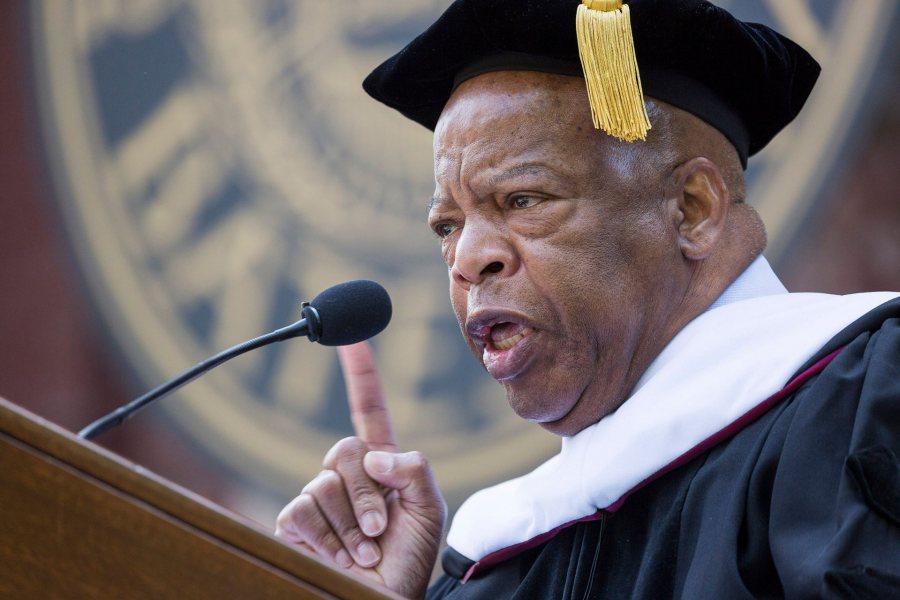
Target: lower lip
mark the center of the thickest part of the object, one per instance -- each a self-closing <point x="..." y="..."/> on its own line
<point x="504" y="365"/>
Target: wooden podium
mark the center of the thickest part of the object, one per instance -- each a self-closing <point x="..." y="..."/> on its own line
<point x="77" y="521"/>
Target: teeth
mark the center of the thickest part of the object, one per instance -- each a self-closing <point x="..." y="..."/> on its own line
<point x="511" y="341"/>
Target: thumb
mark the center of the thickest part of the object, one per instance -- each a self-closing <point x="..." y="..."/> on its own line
<point x="408" y="472"/>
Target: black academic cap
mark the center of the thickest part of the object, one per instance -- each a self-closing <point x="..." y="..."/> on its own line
<point x="744" y="79"/>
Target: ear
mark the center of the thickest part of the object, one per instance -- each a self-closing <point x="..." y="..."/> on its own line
<point x="701" y="202"/>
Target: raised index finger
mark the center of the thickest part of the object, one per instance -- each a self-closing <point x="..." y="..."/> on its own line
<point x="368" y="412"/>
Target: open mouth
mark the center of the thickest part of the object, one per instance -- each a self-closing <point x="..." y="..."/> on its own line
<point x="505" y="340"/>
<point x="503" y="336"/>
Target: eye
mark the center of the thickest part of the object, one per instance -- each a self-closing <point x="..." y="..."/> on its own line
<point x="524" y="201"/>
<point x="444" y="229"/>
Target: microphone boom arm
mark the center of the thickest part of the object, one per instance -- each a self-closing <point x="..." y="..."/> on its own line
<point x="309" y="325"/>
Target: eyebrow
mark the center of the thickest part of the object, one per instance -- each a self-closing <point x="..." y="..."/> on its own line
<point x="520" y="170"/>
<point x="534" y="168"/>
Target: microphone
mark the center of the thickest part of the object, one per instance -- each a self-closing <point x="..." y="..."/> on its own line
<point x="344" y="314"/>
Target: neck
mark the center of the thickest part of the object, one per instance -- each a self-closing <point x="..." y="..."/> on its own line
<point x="710" y="285"/>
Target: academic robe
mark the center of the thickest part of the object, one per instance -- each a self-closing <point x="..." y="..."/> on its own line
<point x="802" y="502"/>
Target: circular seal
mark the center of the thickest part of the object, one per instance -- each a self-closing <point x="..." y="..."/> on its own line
<point x="217" y="163"/>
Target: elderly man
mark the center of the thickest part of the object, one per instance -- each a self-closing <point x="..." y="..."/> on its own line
<point x="721" y="438"/>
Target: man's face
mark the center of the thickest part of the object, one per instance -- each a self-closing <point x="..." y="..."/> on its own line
<point x="559" y="243"/>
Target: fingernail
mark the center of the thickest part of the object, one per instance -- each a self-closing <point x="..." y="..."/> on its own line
<point x="372" y="523"/>
<point x="342" y="558"/>
<point x="368" y="553"/>
<point x="381" y="462"/>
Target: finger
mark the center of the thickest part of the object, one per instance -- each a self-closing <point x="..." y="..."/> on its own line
<point x="409" y="474"/>
<point x="301" y="522"/>
<point x="368" y="411"/>
<point x="330" y="494"/>
<point x="346" y="457"/>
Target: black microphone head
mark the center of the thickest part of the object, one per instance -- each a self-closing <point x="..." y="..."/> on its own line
<point x="351" y="312"/>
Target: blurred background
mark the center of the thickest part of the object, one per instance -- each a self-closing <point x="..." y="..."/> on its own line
<point x="177" y="175"/>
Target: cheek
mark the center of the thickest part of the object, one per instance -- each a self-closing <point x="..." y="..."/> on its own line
<point x="459" y="299"/>
<point x="543" y="221"/>
<point x="585" y="278"/>
<point x="580" y="265"/>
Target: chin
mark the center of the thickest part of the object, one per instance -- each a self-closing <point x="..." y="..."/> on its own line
<point x="554" y="416"/>
<point x="564" y="416"/>
<point x="562" y="427"/>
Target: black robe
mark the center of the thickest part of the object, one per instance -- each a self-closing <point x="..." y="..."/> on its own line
<point x="804" y="502"/>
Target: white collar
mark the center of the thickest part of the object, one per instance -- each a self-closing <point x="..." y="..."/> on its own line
<point x="671" y="410"/>
<point x="757" y="280"/>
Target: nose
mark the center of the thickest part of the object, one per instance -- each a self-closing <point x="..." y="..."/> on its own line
<point x="483" y="250"/>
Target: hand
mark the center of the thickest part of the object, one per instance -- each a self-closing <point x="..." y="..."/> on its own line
<point x="373" y="509"/>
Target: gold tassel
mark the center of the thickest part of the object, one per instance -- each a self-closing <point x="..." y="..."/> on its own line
<point x="606" y="47"/>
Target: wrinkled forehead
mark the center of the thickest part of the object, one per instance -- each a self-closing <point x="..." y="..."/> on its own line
<point x="536" y="115"/>
<point x="516" y="103"/>
<point x="502" y="122"/>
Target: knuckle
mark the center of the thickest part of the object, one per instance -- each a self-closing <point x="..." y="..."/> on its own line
<point x="324" y="483"/>
<point x="329" y="481"/>
<point x="306" y="523"/>
<point x="370" y="411"/>
<point x="284" y="524"/>
<point x="367" y="499"/>
<point x="290" y="519"/>
<point x="303" y="506"/>
<point x="347" y="449"/>
<point x="417" y="461"/>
